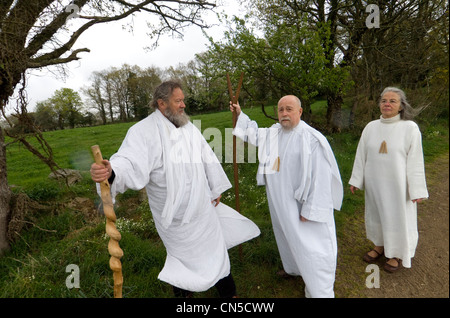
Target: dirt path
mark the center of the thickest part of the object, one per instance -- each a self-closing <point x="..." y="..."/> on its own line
<point x="429" y="275"/>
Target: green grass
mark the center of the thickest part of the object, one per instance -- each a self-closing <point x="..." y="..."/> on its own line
<point x="66" y="234"/>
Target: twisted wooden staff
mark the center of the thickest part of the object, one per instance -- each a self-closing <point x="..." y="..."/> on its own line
<point x="114" y="235"/>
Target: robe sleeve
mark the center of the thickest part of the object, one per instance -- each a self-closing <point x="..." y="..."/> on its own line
<point x="357" y="177"/>
<point x="135" y="159"/>
<point x="318" y="205"/>
<point x="415" y="168"/>
<point x="246" y="129"/>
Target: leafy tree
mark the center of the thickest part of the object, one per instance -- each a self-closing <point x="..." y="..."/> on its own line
<point x="45" y="116"/>
<point x="402" y="51"/>
<point x="124" y="93"/>
<point x="198" y="86"/>
<point x="410" y="50"/>
<point x="62" y="109"/>
<point x="211" y="92"/>
<point x="141" y="84"/>
<point x="66" y="104"/>
<point x="287" y="59"/>
<point x="95" y="96"/>
<point x="323" y="18"/>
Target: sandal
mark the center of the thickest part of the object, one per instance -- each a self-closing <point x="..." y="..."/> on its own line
<point x="391" y="268"/>
<point x="371" y="259"/>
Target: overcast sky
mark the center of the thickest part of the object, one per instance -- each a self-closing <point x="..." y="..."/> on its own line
<point x="110" y="45"/>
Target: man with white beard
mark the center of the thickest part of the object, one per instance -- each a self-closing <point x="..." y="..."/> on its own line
<point x="303" y="186"/>
<point x="168" y="156"/>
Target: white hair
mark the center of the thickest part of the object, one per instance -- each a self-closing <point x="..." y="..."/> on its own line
<point x="406" y="110"/>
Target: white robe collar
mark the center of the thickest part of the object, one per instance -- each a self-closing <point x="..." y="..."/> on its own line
<point x="268" y="155"/>
<point x="391" y="120"/>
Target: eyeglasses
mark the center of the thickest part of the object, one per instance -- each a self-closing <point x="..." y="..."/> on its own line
<point x="391" y="101"/>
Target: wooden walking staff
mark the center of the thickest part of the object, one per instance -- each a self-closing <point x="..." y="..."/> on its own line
<point x="114" y="236"/>
<point x="234" y="98"/>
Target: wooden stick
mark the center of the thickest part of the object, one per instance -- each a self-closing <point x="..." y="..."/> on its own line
<point x="114" y="236"/>
<point x="238" y="90"/>
<point x="234" y="98"/>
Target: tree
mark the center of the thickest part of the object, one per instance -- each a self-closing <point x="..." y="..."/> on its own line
<point x="322" y="17"/>
<point x="61" y="110"/>
<point x="35" y="34"/>
<point x="410" y="49"/>
<point x="45" y="116"/>
<point x="286" y="59"/>
<point x="211" y="85"/>
<point x="125" y="92"/>
<point x="67" y="106"/>
<point x="141" y="84"/>
<point x="95" y="96"/>
<point x="403" y="44"/>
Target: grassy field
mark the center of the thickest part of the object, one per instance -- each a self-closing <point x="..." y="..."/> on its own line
<point x="71" y="231"/>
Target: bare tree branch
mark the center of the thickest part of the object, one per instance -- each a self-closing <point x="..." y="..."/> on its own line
<point x="42" y="62"/>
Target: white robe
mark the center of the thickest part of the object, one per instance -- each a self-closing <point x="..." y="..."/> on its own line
<point x="182" y="176"/>
<point x="308" y="183"/>
<point x="391" y="181"/>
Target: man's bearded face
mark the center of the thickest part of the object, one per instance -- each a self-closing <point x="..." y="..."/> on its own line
<point x="175" y="109"/>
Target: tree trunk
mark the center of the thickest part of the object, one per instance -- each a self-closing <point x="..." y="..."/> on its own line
<point x="306" y="115"/>
<point x="351" y="117"/>
<point x="5" y="196"/>
<point x="334" y="113"/>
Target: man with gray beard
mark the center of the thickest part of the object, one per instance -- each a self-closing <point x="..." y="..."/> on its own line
<point x="168" y="156"/>
<point x="303" y="185"/>
<point x="169" y="99"/>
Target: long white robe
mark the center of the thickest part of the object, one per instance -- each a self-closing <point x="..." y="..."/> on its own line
<point x="391" y="181"/>
<point x="308" y="183"/>
<point x="182" y="176"/>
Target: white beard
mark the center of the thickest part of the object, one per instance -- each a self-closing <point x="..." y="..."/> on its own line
<point x="178" y="120"/>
